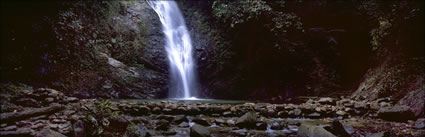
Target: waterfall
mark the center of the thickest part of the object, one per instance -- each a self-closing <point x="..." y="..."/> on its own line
<point x="178" y="47"/>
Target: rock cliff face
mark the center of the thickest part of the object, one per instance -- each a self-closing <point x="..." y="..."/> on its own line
<point x="108" y="49"/>
<point x="115" y="49"/>
<point x="331" y="58"/>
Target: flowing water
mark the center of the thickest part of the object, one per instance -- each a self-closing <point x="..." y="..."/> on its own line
<point x="179" y="49"/>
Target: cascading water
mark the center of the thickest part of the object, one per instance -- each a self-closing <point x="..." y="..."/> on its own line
<point x="178" y="47"/>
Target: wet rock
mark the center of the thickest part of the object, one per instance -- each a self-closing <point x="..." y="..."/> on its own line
<point x="38" y="126"/>
<point x="220" y="121"/>
<point x="8" y="128"/>
<point x="144" y="109"/>
<point x="140" y="131"/>
<point x="48" y="133"/>
<point x="295" y="113"/>
<point x="307" y="130"/>
<point x="313" y="115"/>
<point x="118" y="123"/>
<point x="276" y="126"/>
<point x="20" y="132"/>
<point x="203" y="120"/>
<point x="261" y="126"/>
<point x="79" y="129"/>
<point x="162" y="125"/>
<point x="230" y="122"/>
<point x="166" y="117"/>
<point x="384" y="104"/>
<point x="68" y="112"/>
<point x="338" y="129"/>
<point x="396" y="113"/>
<point x="184" y="124"/>
<point x="247" y="121"/>
<point x="170" y="132"/>
<point x="23" y="124"/>
<point x="180" y="118"/>
<point x="49" y="100"/>
<point x="156" y="110"/>
<point x="420" y="123"/>
<point x="309" y="101"/>
<point x="240" y="132"/>
<point x="71" y="99"/>
<point x="360" y="105"/>
<point x="326" y="100"/>
<point x="380" y="134"/>
<point x="167" y="111"/>
<point x="341" y="113"/>
<point x="199" y="131"/>
<point x="374" y="105"/>
<point x="28" y="102"/>
<point x="227" y="113"/>
<point x="344" y="102"/>
<point x="282" y="114"/>
<point x="181" y="110"/>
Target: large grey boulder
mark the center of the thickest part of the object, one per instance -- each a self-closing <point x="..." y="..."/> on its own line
<point x="247" y="121"/>
<point x="396" y="113"/>
<point x="420" y="123"/>
<point x="307" y="130"/>
<point x="48" y="133"/>
<point x="199" y="131"/>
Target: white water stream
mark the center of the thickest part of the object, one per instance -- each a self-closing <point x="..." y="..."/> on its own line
<point x="179" y="49"/>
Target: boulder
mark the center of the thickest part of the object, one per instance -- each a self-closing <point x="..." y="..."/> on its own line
<point x="338" y="129"/>
<point x="396" y="113"/>
<point x="184" y="124"/>
<point x="415" y="100"/>
<point x="313" y="115"/>
<point x="162" y="125"/>
<point x="28" y="102"/>
<point x="420" y="123"/>
<point x="261" y="126"/>
<point x="20" y="132"/>
<point x="341" y="113"/>
<point x="48" y="133"/>
<point x="199" y="131"/>
<point x="248" y="120"/>
<point x="204" y="121"/>
<point x="326" y="100"/>
<point x="276" y="126"/>
<point x="380" y="134"/>
<point x="295" y="112"/>
<point x="118" y="123"/>
<point x="140" y="131"/>
<point x="239" y="133"/>
<point x="227" y="113"/>
<point x="180" y="118"/>
<point x="71" y="99"/>
<point x="79" y="129"/>
<point x="307" y="130"/>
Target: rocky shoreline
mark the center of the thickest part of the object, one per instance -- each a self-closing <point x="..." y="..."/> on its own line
<point x="48" y="112"/>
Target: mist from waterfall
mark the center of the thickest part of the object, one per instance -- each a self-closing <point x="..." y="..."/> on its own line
<point x="179" y="49"/>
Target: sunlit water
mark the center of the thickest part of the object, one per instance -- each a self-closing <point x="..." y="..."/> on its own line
<point x="179" y="49"/>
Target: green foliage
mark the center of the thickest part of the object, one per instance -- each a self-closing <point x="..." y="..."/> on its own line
<point x="387" y="17"/>
<point x="102" y="111"/>
<point x="237" y="12"/>
<point x="378" y="34"/>
<point x="259" y="14"/>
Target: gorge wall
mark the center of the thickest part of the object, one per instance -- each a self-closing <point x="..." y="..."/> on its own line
<point x="257" y="50"/>
<point x="90" y="49"/>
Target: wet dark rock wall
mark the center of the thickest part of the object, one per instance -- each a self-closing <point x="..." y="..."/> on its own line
<point x="89" y="49"/>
